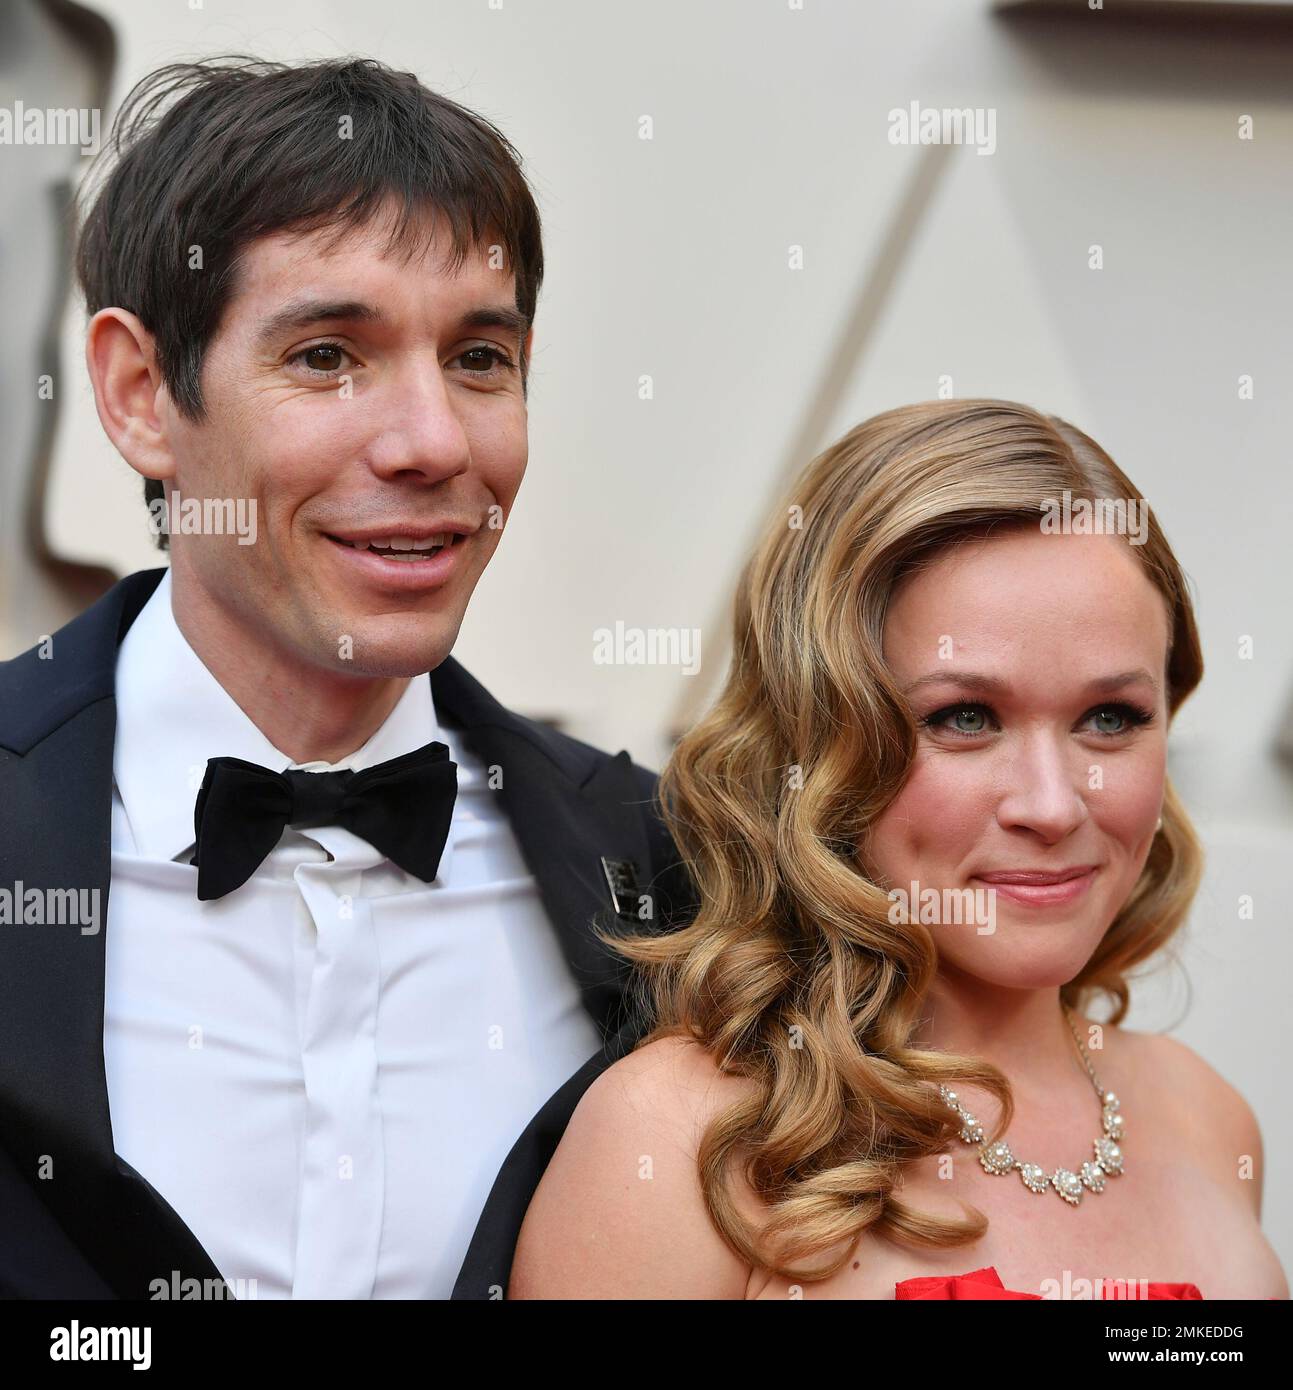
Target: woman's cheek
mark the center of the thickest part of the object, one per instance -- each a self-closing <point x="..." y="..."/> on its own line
<point x="933" y="824"/>
<point x="1127" y="804"/>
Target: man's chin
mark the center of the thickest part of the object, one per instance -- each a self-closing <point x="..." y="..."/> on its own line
<point x="393" y="646"/>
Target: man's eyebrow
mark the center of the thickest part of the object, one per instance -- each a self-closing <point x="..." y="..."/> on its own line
<point x="989" y="685"/>
<point x="303" y="313"/>
<point x="497" y="316"/>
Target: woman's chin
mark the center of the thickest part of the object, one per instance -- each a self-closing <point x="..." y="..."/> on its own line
<point x="1015" y="964"/>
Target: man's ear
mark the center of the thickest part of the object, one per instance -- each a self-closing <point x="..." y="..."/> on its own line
<point x="122" y="362"/>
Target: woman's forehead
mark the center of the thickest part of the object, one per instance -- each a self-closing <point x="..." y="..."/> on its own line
<point x="1027" y="594"/>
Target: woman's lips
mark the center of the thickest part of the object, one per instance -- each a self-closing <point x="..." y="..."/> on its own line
<point x="1041" y="890"/>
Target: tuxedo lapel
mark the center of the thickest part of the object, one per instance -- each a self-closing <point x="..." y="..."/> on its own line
<point x="56" y="743"/>
<point x="568" y="813"/>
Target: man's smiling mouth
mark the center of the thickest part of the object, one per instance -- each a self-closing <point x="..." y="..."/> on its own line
<point x="407" y="559"/>
<point x="402" y="547"/>
<point x="408" y="545"/>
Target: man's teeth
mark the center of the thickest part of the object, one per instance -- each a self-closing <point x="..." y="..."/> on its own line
<point x="404" y="547"/>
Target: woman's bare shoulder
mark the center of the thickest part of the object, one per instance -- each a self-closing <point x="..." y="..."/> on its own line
<point x="1214" y="1111"/>
<point x="679" y="1075"/>
<point x="620" y="1212"/>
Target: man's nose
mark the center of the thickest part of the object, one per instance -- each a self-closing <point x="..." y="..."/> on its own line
<point x="421" y="428"/>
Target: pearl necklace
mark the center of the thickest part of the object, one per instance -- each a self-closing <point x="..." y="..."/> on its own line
<point x="998" y="1160"/>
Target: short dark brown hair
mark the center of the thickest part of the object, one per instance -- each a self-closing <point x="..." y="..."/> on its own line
<point x="217" y="153"/>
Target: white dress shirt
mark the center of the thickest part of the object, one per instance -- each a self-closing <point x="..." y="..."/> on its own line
<point x="322" y="1071"/>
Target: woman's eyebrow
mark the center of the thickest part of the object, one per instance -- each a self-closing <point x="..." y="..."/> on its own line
<point x="990" y="685"/>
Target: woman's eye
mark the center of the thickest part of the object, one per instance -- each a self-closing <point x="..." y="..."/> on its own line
<point x="322" y="359"/>
<point x="968" y="721"/>
<point x="975" y="717"/>
<point x="1130" y="717"/>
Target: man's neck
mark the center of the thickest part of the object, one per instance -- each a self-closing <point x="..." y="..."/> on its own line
<point x="306" y="711"/>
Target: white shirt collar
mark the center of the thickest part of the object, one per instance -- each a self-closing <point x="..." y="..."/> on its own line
<point x="172" y="715"/>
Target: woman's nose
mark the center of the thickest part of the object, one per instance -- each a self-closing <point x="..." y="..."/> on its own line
<point x="1044" y="793"/>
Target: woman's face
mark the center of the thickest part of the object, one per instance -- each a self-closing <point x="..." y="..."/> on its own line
<point x="1030" y="661"/>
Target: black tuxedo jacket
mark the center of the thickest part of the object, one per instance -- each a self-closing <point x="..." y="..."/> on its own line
<point x="77" y="1220"/>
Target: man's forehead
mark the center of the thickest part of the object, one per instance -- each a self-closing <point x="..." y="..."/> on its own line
<point x="281" y="258"/>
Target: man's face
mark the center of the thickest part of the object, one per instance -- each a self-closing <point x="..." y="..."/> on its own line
<point x="354" y="397"/>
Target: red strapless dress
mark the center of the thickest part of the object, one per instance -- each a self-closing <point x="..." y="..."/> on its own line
<point x="986" y="1283"/>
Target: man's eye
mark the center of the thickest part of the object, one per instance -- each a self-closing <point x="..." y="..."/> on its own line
<point x="321" y="359"/>
<point x="486" y="361"/>
<point x="326" y="360"/>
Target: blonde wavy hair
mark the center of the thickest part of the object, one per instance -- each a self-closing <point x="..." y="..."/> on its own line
<point x="792" y="974"/>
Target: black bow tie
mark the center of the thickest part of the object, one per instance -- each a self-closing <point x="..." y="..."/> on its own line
<point x="402" y="807"/>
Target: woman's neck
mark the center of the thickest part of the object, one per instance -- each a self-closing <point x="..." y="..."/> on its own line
<point x="1023" y="1032"/>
